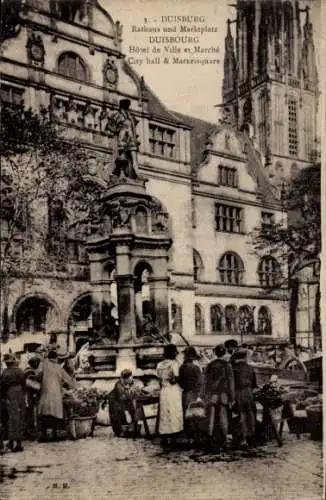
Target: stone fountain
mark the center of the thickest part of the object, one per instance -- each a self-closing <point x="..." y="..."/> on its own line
<point x="132" y="244"/>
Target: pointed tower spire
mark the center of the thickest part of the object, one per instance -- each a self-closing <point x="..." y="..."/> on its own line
<point x="309" y="69"/>
<point x="229" y="62"/>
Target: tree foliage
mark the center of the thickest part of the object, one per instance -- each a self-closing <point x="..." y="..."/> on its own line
<point x="10" y="19"/>
<point x="296" y="239"/>
<point x="40" y="169"/>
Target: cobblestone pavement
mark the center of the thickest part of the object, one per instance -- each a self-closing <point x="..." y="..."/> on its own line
<point x="105" y="467"/>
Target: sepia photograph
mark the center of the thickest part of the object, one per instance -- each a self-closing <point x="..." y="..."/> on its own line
<point x="161" y="300"/>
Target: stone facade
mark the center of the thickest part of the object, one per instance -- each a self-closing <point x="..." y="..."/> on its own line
<point x="274" y="90"/>
<point x="209" y="178"/>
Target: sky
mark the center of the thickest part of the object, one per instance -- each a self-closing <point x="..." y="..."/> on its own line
<point x="189" y="89"/>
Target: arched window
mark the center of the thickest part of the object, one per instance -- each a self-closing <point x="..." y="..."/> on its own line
<point x="293" y="126"/>
<point x="269" y="272"/>
<point x="141" y="217"/>
<point x="246" y="320"/>
<point x="231" y="319"/>
<point x="199" y="319"/>
<point x="216" y="318"/>
<point x="198" y="265"/>
<point x="71" y="65"/>
<point x="231" y="269"/>
<point x="32" y="315"/>
<point x="264" y="321"/>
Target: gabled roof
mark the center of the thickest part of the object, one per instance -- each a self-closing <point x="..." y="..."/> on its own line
<point x="257" y="171"/>
<point x="201" y="132"/>
<point x="156" y="108"/>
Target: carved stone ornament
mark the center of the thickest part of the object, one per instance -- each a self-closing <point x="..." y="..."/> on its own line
<point x="227" y="116"/>
<point x="35" y="49"/>
<point x="127" y="161"/>
<point x="110" y="72"/>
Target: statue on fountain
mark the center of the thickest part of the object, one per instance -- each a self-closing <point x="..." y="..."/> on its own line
<point x="126" y="162"/>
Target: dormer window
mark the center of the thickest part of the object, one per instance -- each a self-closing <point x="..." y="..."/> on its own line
<point x="162" y="141"/>
<point x="227" y="176"/>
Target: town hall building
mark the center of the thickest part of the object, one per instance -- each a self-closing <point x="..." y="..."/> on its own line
<point x="217" y="181"/>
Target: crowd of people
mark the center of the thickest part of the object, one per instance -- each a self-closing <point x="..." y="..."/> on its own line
<point x="190" y="396"/>
<point x="31" y="400"/>
<point x="203" y="403"/>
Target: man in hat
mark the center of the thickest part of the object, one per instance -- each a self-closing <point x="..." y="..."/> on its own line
<point x="122" y="403"/>
<point x="190" y="380"/>
<point x="220" y="396"/>
<point x="50" y="408"/>
<point x="190" y="377"/>
<point x="12" y="395"/>
<point x="33" y="377"/>
<point x="245" y="382"/>
<point x="231" y="346"/>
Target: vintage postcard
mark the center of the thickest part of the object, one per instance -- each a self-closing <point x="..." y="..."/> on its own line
<point x="161" y="293"/>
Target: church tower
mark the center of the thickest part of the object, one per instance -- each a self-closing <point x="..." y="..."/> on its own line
<point x="271" y="82"/>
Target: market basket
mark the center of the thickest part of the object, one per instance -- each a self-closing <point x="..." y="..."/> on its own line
<point x="80" y="427"/>
<point x="315" y="422"/>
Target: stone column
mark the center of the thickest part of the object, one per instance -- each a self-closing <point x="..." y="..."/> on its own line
<point x="126" y="308"/>
<point x="97" y="306"/>
<point x="160" y="295"/>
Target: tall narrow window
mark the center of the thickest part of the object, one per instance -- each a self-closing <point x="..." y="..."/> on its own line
<point x="176" y="316"/>
<point x="261" y="122"/>
<point x="278" y="111"/>
<point x="264" y="321"/>
<point x="198" y="265"/>
<point x="231" y="319"/>
<point x="199" y="319"/>
<point x="246" y="320"/>
<point x="293" y="126"/>
<point x="216" y="318"/>
<point x="308" y="133"/>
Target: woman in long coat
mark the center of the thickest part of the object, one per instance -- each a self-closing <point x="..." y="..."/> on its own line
<point x="170" y="406"/>
<point x="12" y="393"/>
<point x="51" y="400"/>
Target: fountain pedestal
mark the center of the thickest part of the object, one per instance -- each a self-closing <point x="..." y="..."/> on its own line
<point x="134" y="240"/>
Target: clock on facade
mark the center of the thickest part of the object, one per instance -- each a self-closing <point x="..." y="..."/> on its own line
<point x="37" y="52"/>
<point x="35" y="48"/>
<point x="111" y="73"/>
